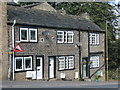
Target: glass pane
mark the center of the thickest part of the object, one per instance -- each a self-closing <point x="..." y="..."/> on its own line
<point x="19" y="63"/>
<point x="38" y="62"/>
<point x="28" y="63"/>
<point x="24" y="34"/>
<point x="61" y="65"/>
<point x="32" y="33"/>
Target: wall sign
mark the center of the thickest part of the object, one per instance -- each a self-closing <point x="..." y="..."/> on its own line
<point x="18" y="48"/>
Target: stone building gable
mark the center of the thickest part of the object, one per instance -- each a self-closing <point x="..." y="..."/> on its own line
<point x="44" y="6"/>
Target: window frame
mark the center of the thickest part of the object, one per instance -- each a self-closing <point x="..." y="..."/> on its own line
<point x="71" y="34"/>
<point x="21" y="34"/>
<point x="96" y="37"/>
<point x="72" y="61"/>
<point x="60" y="61"/>
<point x="25" y="63"/>
<point x="66" y="63"/>
<point x="61" y="38"/>
<point x="97" y="57"/>
<point x="32" y="29"/>
<point x="22" y="64"/>
<point x="65" y="37"/>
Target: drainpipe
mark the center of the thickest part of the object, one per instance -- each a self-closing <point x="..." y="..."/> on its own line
<point x="9" y="69"/>
<point x="13" y="45"/>
<point x="88" y="68"/>
<point x="79" y="46"/>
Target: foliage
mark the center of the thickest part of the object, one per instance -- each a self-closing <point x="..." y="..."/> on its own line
<point x="113" y="51"/>
<point x="99" y="12"/>
<point x="113" y="74"/>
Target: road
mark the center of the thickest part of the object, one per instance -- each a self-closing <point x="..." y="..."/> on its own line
<point x="58" y="84"/>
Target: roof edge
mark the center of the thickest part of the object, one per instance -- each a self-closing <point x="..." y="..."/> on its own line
<point x="43" y="26"/>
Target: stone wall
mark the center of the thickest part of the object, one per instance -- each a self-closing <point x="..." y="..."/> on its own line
<point x="47" y="46"/>
<point x="3" y="41"/>
<point x="99" y="50"/>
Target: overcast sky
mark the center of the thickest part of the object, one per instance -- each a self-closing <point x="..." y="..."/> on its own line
<point x="116" y="1"/>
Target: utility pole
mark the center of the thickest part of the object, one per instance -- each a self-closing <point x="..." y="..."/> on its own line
<point x="106" y="51"/>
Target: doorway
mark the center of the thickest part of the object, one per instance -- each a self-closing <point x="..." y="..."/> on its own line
<point x="51" y="67"/>
<point x="84" y="67"/>
<point x="39" y="68"/>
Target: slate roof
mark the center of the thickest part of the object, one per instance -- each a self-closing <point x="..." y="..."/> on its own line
<point x="48" y="19"/>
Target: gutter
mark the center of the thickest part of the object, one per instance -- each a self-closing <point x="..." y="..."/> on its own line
<point x="55" y="27"/>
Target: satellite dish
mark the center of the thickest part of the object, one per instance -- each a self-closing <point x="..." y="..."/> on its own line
<point x="46" y="33"/>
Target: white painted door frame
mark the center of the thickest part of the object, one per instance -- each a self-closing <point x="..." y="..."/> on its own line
<point x="51" y="67"/>
<point x="39" y="68"/>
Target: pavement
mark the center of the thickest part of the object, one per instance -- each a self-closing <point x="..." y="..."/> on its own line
<point x="59" y="84"/>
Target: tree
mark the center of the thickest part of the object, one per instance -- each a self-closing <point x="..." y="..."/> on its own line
<point x="99" y="12"/>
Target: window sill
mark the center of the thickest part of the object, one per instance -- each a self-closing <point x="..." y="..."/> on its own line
<point x="94" y="67"/>
<point x="66" y="69"/>
<point x="28" y="42"/>
<point x="23" y="71"/>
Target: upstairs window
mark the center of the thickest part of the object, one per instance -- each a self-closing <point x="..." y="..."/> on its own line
<point x="65" y="37"/>
<point x="28" y="35"/>
<point x="94" y="39"/>
<point x="23" y="34"/>
<point x="33" y="35"/>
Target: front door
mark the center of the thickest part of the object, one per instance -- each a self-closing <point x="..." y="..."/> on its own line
<point x="51" y="67"/>
<point x="84" y="67"/>
<point x="39" y="67"/>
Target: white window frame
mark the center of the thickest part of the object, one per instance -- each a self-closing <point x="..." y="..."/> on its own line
<point x="15" y="63"/>
<point x="71" y="60"/>
<point x="95" y="61"/>
<point x="96" y="38"/>
<point x="60" y="38"/>
<point x="70" y="33"/>
<point x="27" y="34"/>
<point x="32" y="29"/>
<point x="65" y="35"/>
<point x="25" y="63"/>
<point x="62" y="59"/>
<point x="66" y="63"/>
<point x="66" y="60"/>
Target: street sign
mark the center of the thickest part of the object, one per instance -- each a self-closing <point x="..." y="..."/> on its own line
<point x="18" y="48"/>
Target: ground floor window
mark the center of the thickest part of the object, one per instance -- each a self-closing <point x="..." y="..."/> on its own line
<point x="18" y="63"/>
<point x="95" y="61"/>
<point x="66" y="62"/>
<point x="28" y="63"/>
<point x="23" y="63"/>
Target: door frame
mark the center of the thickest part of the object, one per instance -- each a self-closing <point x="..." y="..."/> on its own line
<point x="42" y="65"/>
<point x="54" y="66"/>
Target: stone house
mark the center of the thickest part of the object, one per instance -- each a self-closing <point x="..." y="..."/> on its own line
<point x="55" y="46"/>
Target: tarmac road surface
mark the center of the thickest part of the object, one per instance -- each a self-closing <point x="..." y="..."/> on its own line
<point x="58" y="84"/>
